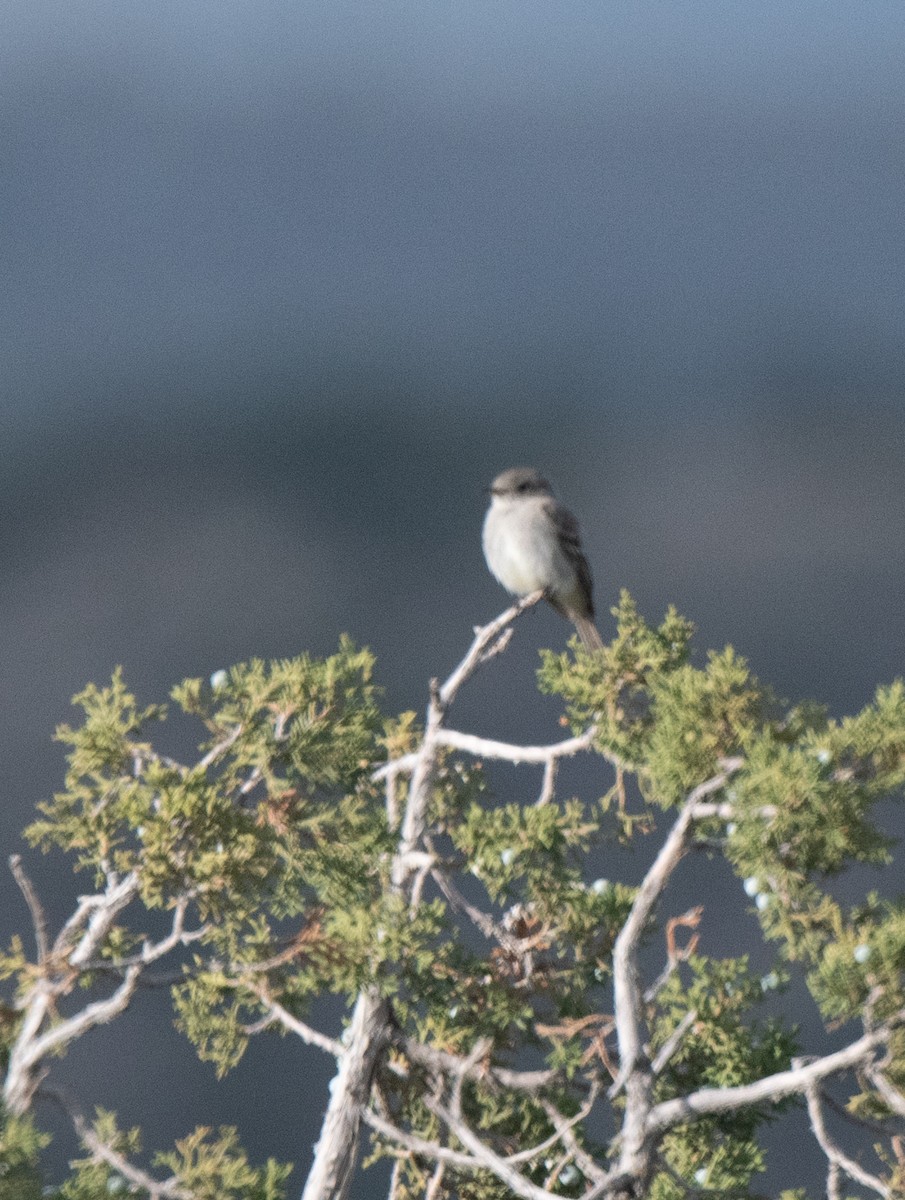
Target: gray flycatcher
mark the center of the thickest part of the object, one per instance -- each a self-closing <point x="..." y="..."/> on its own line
<point x="531" y="544"/>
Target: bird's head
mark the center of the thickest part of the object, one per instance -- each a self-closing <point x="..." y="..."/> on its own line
<point x="520" y="481"/>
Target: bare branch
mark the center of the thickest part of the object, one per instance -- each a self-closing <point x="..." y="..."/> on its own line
<point x="67" y="935"/>
<point x="774" y="1087"/>
<point x="395" y="1179"/>
<point x="625" y="971"/>
<point x="30" y="1049"/>
<point x="481" y="747"/>
<point x="152" y="951"/>
<point x="436" y="1182"/>
<point x="586" y="1163"/>
<point x="728" y="812"/>
<point x="99" y="911"/>
<point x="891" y="1096"/>
<point x="337" y="1148"/>
<point x="276" y="1012"/>
<point x="254" y="778"/>
<point x="834" y="1182"/>
<point x="672" y="1043"/>
<point x="626" y="978"/>
<point x="485" y="1157"/>
<point x="837" y="1157"/>
<point x="38" y="916"/>
<point x="157" y="1189"/>
<point x="478" y="1053"/>
<point x="443" y="1062"/>
<point x="483" y="647"/>
<point x="101" y="1012"/>
<point x="548" y="785"/>
<point x="119" y="894"/>
<point x="505" y="751"/>
<point x="634" y="1074"/>
<point x="561" y="1126"/>
<point x="404" y="765"/>
<point x="481" y="920"/>
<point x="675" y="955"/>
<point x="432" y="1151"/>
<point x="441" y="698"/>
<point x="220" y="748"/>
<point x="253" y="1028"/>
<point x="335" y="1154"/>
<point x="417" y="889"/>
<point x="391" y="776"/>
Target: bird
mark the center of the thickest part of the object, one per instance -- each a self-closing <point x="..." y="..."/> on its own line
<point x="531" y="544"/>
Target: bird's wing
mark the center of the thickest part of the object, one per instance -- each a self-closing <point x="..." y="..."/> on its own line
<point x="570" y="540"/>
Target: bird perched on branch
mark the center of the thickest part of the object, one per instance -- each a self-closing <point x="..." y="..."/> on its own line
<point x="531" y="543"/>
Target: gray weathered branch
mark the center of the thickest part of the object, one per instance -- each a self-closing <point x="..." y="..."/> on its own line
<point x="635" y="1075"/>
<point x="38" y="916"/>
<point x="335" y="1154"/>
<point x="835" y="1156"/>
<point x="771" y="1088"/>
<point x="74" y="953"/>
<point x="101" y="1151"/>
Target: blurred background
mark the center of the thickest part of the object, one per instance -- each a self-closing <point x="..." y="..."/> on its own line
<point x="286" y="284"/>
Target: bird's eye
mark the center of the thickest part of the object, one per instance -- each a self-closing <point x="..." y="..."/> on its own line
<point x="524" y="487"/>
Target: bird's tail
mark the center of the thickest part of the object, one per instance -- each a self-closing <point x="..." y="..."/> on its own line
<point x="587" y="631"/>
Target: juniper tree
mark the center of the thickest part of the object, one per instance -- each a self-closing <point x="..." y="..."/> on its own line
<point x="506" y="1034"/>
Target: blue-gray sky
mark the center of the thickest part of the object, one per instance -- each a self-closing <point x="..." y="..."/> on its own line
<point x="286" y="284"/>
<point x="671" y="195"/>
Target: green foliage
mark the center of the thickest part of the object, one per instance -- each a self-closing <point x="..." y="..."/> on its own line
<point x="213" y="1166"/>
<point x="699" y="718"/>
<point x="526" y="845"/>
<point x="805" y="805"/>
<point x="21" y="1144"/>
<point x="279" y="845"/>
<point x="97" y="816"/>
<point x="655" y="713"/>
<point x="328" y="719"/>
<point x="94" y="1179"/>
<point x="710" y="1161"/>
<point x="14" y="964"/>
<point x="205" y="1165"/>
<point x="724" y="1047"/>
<point x="512" y="1123"/>
<point x="612" y="688"/>
<point x="213" y="1016"/>
<point x="865" y="959"/>
<point x="300" y="728"/>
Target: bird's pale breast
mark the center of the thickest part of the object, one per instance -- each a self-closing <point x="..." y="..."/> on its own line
<point x="522" y="549"/>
